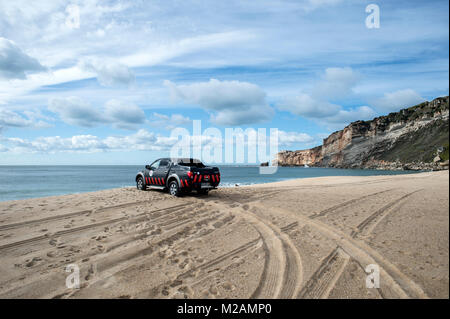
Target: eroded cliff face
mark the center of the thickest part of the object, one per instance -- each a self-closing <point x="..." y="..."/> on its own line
<point x="300" y="158"/>
<point x="408" y="139"/>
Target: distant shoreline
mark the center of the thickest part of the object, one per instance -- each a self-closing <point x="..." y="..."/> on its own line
<point x="237" y="185"/>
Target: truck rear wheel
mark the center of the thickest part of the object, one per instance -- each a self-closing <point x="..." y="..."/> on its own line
<point x="174" y="189"/>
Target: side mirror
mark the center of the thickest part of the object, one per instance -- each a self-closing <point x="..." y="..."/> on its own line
<point x="148" y="167"/>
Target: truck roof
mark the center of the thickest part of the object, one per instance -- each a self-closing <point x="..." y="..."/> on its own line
<point x="181" y="159"/>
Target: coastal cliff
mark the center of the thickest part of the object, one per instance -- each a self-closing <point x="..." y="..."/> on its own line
<point x="414" y="138"/>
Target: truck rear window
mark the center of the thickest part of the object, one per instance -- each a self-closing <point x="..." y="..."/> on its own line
<point x="198" y="165"/>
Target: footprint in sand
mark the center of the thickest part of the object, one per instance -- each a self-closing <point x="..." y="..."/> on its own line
<point x="178" y="295"/>
<point x="187" y="290"/>
<point x="213" y="290"/>
<point x="52" y="254"/>
<point x="165" y="291"/>
<point x="32" y="262"/>
<point x="186" y="264"/>
<point x="91" y="272"/>
<point x="176" y="283"/>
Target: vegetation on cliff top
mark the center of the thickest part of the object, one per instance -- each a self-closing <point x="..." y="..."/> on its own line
<point x="418" y="146"/>
<point x="444" y="155"/>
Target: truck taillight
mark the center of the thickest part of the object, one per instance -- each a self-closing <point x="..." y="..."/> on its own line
<point x="190" y="174"/>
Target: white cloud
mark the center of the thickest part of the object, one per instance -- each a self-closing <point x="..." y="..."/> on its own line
<point x="336" y="83"/>
<point x="305" y="105"/>
<point x="142" y="140"/>
<point x="344" y="117"/>
<point x="53" y="144"/>
<point x="242" y="116"/>
<point x="327" y="114"/>
<point x="36" y="115"/>
<point x="232" y="102"/>
<point x="123" y="115"/>
<point x="397" y="100"/>
<point x="29" y="119"/>
<point x="218" y="95"/>
<point x="12" y="119"/>
<point x="169" y="122"/>
<point x="14" y="63"/>
<point x="288" y="138"/>
<point x="75" y="111"/>
<point x="156" y="54"/>
<point x="109" y="73"/>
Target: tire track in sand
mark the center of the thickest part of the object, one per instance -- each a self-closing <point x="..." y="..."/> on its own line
<point x="107" y="265"/>
<point x="368" y="224"/>
<point x="81" y="228"/>
<point x="282" y="274"/>
<point x="401" y="284"/>
<point x="345" y="204"/>
<point x="71" y="215"/>
<point x="327" y="274"/>
<point x="325" y="277"/>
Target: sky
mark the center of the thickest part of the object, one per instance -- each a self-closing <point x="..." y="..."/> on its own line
<point x="106" y="82"/>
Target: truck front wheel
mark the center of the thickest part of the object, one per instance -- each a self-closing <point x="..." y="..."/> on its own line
<point x="140" y="184"/>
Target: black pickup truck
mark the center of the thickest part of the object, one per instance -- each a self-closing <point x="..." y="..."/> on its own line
<point x="178" y="175"/>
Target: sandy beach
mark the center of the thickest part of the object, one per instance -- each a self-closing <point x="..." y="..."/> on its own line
<point x="306" y="238"/>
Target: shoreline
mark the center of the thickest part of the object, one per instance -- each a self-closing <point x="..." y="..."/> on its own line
<point x="228" y="186"/>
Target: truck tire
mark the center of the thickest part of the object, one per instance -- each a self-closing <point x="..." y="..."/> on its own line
<point x="174" y="189"/>
<point x="140" y="184"/>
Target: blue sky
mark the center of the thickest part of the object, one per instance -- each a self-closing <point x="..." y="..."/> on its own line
<point x="109" y="87"/>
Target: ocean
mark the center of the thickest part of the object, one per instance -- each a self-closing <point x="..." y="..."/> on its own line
<point x="21" y="182"/>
